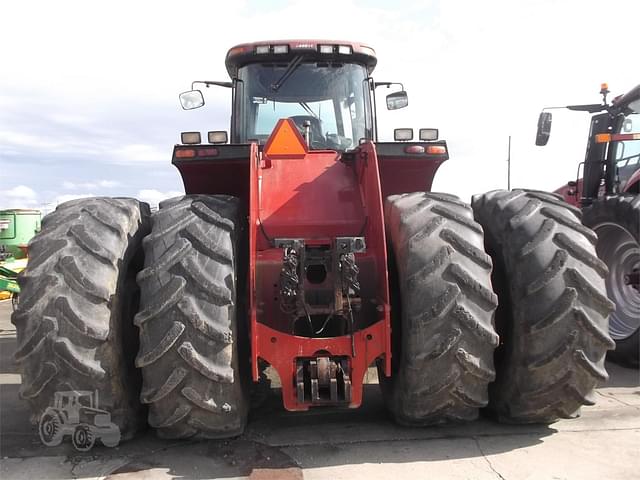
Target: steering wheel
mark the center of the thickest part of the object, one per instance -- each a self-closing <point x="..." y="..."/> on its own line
<point x="316" y="139"/>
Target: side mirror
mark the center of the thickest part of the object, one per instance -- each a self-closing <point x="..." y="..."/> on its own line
<point x="397" y="100"/>
<point x="544" y="129"/>
<point x="191" y="99"/>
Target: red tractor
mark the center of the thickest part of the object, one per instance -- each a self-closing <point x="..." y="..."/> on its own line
<point x="308" y="245"/>
<point x="609" y="195"/>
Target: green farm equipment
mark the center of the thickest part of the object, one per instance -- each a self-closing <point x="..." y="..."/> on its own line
<point x="9" y="284"/>
<point x="17" y="227"/>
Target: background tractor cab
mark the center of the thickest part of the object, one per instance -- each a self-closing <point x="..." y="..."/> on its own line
<point x="612" y="158"/>
<point x="608" y="193"/>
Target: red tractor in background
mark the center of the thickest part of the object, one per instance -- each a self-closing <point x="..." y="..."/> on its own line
<point x="308" y="245"/>
<point x="609" y="195"/>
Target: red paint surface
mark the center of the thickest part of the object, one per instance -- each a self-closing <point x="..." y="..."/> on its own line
<point x="281" y="350"/>
<point x="407" y="174"/>
<point x="315" y="197"/>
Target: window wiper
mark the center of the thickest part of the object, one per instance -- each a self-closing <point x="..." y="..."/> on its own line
<point x="293" y="65"/>
<point x="307" y="109"/>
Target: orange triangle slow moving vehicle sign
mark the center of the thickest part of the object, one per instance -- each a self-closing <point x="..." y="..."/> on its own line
<point x="285" y="141"/>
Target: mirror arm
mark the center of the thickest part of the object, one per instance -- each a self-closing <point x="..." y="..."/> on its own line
<point x="387" y="84"/>
<point x="208" y="83"/>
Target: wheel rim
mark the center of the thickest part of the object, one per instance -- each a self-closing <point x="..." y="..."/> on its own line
<point x="49" y="430"/>
<point x="82" y="438"/>
<point x="621" y="252"/>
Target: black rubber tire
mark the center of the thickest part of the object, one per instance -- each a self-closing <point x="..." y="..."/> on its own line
<point x="190" y="332"/>
<point x="83" y="438"/>
<point x="552" y="318"/>
<point x="50" y="428"/>
<point x="624" y="211"/>
<point x="442" y="311"/>
<point x="78" y="297"/>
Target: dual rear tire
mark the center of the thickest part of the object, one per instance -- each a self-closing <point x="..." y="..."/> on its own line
<point x="442" y="308"/>
<point x="75" y="322"/>
<point x="190" y="343"/>
<point x="551" y="318"/>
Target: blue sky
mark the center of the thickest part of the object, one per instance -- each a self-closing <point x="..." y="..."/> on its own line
<point x="88" y="91"/>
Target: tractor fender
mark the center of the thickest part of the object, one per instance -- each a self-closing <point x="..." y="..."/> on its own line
<point x="570" y="194"/>
<point x="633" y="184"/>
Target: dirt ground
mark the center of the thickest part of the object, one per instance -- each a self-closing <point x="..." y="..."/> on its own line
<point x="335" y="444"/>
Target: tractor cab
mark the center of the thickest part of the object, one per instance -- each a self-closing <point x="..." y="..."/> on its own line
<point x="74" y="400"/>
<point x="326" y="89"/>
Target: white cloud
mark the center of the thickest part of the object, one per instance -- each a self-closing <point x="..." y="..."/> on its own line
<point x="20" y="139"/>
<point x="154" y="197"/>
<point x="21" y="191"/>
<point x="20" y="196"/>
<point x="69" y="119"/>
<point x="90" y="185"/>
<point x="109" y="183"/>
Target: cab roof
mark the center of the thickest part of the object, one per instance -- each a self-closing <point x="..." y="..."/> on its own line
<point x="268" y="51"/>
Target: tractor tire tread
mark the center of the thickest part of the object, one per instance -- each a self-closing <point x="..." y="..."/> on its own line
<point x="624" y="211"/>
<point x="553" y="314"/>
<point x="188" y="332"/>
<point x="70" y="317"/>
<point x="446" y="317"/>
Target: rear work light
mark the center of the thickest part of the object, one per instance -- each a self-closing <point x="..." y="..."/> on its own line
<point x="403" y="134"/>
<point x="280" y="49"/>
<point x="428" y="134"/>
<point x="190" y="138"/>
<point x="262" y="49"/>
<point x="344" y="49"/>
<point x="326" y="48"/>
<point x="217" y="136"/>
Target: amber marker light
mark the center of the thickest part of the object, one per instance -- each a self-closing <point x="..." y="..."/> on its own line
<point x="186" y="153"/>
<point x="436" y="149"/>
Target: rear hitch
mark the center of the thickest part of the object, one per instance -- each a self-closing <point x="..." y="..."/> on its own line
<point x="319" y="284"/>
<point x="323" y="380"/>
